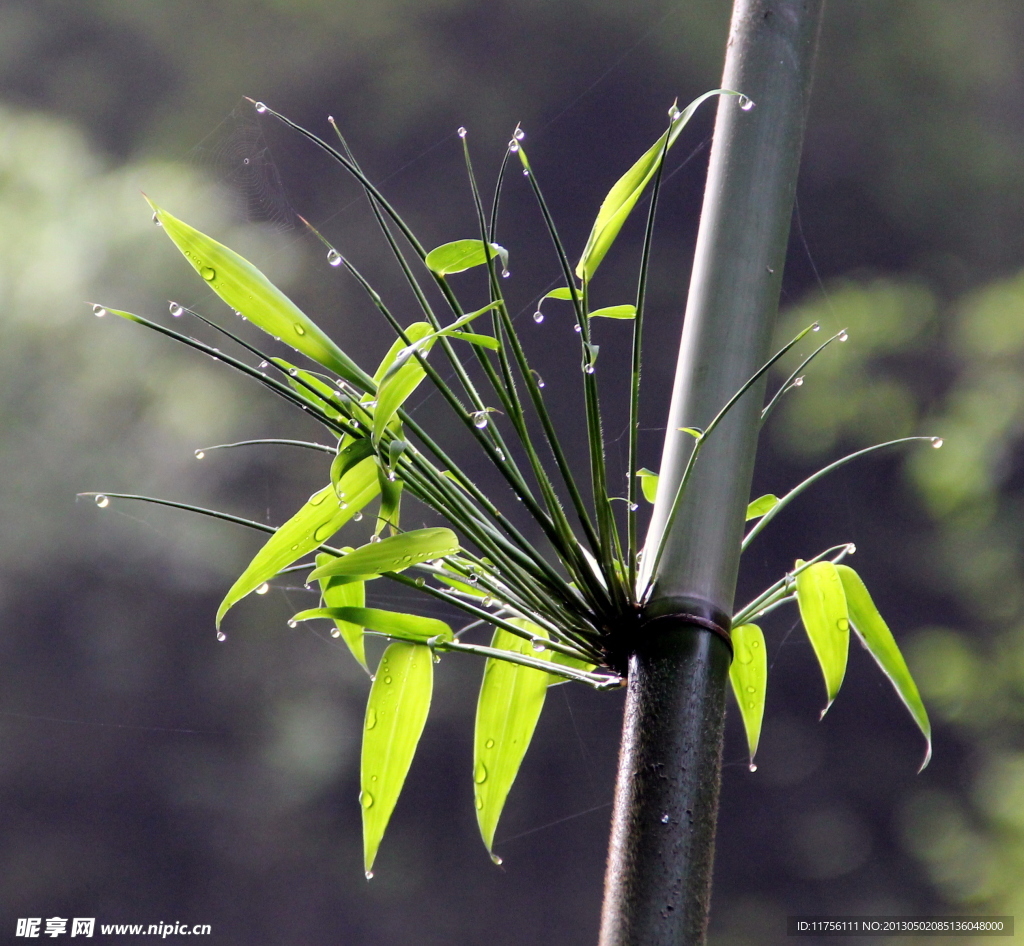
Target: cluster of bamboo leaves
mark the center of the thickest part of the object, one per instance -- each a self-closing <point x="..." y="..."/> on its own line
<point x="559" y="612"/>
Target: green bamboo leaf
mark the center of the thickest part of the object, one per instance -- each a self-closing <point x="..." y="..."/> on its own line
<point x="398" y="380"/>
<point x="352" y="594"/>
<point x="510" y="703"/>
<point x="462" y="255"/>
<point x="622" y="198"/>
<point x="349" y="456"/>
<point x="748" y="675"/>
<point x="878" y="639"/>
<point x="694" y="432"/>
<point x="648" y="484"/>
<point x="614" y="312"/>
<point x="395" y="715"/>
<point x="414" y="332"/>
<point x="243" y="287"/>
<point x="564" y="660"/>
<point x="823" y="610"/>
<point x="563" y="292"/>
<point x="324" y="513"/>
<point x="408" y="627"/>
<point x="761" y="505"/>
<point x="483" y="341"/>
<point x="390" y="501"/>
<point x="301" y="381"/>
<point x="393" y="554"/>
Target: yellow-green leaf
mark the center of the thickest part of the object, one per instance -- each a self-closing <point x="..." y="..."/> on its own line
<point x="749" y="677"/>
<point x="622" y="198"/>
<point x="510" y="703"/>
<point x="878" y="639"/>
<point x="481" y="341"/>
<point x="648" y="484"/>
<point x="823" y="610"/>
<point x="564" y="660"/>
<point x="563" y="292"/>
<point x="462" y="255"/>
<point x="301" y="381"/>
<point x="324" y="513"/>
<point x="243" y="287"/>
<point x="397" y="385"/>
<point x="394" y="554"/>
<point x="614" y="312"/>
<point x="395" y="715"/>
<point x="410" y="627"/>
<point x="345" y="594"/>
<point x="761" y="505"/>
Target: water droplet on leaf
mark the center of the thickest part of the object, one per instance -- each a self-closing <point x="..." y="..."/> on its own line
<point x="815" y="327"/>
<point x="299" y="330"/>
<point x="480" y="775"/>
<point x="798" y="382"/>
<point x="292" y="623"/>
<point x="752" y="767"/>
<point x="496" y="860"/>
<point x="843" y="336"/>
<point x="371" y="719"/>
<point x="263" y="589"/>
<point x="156" y="219"/>
<point x="745" y="103"/>
<point x="335" y="632"/>
<point x="366" y="800"/>
<point x="208" y="273"/>
<point x="387" y="679"/>
<point x="513" y="145"/>
<point x="358" y="517"/>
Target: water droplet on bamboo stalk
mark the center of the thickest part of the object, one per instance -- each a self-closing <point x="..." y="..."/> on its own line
<point x="175" y="309"/>
<point x="577" y="328"/>
<point x="462" y="132"/>
<point x="798" y="382"/>
<point x="366" y="800"/>
<point x="816" y="327"/>
<point x="264" y="364"/>
<point x="101" y="500"/>
<point x="487" y="602"/>
<point x="843" y="335"/>
<point x="513" y="145"/>
<point x="538" y="646"/>
<point x="334" y="257"/>
<point x="519" y="134"/>
<point x="745" y="103"/>
<point x="292" y="623"/>
<point x="588" y="368"/>
<point x="633" y="507"/>
<point x="420" y="582"/>
<point x="937" y="442"/>
<point x="665" y="819"/>
<point x="99" y="311"/>
<point x="358" y="517"/>
<point x="496" y="860"/>
<point x="850" y="548"/>
<point x="538" y="316"/>
<point x="260" y="107"/>
<point x="479" y="419"/>
<point x="480" y="775"/>
<point x="221" y="636"/>
<point x="208" y="273"/>
<point x="752" y="767"/>
<point x="263" y="589"/>
<point x="526" y="172"/>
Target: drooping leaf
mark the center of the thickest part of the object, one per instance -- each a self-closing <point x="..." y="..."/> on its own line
<point x="395" y="387"/>
<point x="482" y="341"/>
<point x="337" y="594"/>
<point x="395" y="715"/>
<point x="350" y="455"/>
<point x="325" y="512"/>
<point x="694" y="432"/>
<point x="748" y="675"/>
<point x="564" y="660"/>
<point x="614" y="312"/>
<point x="823" y="610"/>
<point x="878" y="639"/>
<point x="462" y="255"/>
<point x="393" y="554"/>
<point x="563" y="292"/>
<point x="410" y="627"/>
<point x="648" y="484"/>
<point x="623" y="196"/>
<point x="243" y="287"/>
<point x="761" y="505"/>
<point x="510" y="703"/>
<point x="390" y="501"/>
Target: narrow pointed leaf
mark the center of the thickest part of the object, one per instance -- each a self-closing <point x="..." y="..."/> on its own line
<point x="761" y="505"/>
<point x="510" y="703"/>
<point x="622" y="198"/>
<point x="395" y="715"/>
<point x="823" y="610"/>
<point x="748" y="675"/>
<point x="301" y="381"/>
<point x="410" y="627"/>
<point x="482" y="341"/>
<point x="462" y="255"/>
<point x="399" y="380"/>
<point x="338" y="594"/>
<point x="326" y="511"/>
<point x="390" y="502"/>
<point x="243" y="287"/>
<point x="394" y="554"/>
<point x="648" y="484"/>
<point x="563" y="292"/>
<point x="349" y="456"/>
<point x="564" y="660"/>
<point x="614" y="312"/>
<point x="878" y="639"/>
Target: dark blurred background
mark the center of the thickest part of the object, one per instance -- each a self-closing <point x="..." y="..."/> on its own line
<point x="149" y="773"/>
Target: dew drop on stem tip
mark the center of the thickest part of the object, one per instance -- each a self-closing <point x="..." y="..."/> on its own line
<point x="260" y="107"/>
<point x="462" y="132"/>
<point x="937" y="442"/>
<point x="538" y="316"/>
<point x="99" y="311"/>
<point x="333" y="257"/>
<point x="101" y="500"/>
<point x="199" y="454"/>
<point x="175" y="309"/>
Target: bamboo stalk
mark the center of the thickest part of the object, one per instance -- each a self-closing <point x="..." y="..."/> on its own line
<point x="657" y="887"/>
